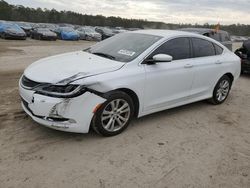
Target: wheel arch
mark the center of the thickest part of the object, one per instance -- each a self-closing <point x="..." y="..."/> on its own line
<point x="230" y="75"/>
<point x="134" y="97"/>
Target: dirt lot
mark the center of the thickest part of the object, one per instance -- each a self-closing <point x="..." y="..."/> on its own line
<point x="198" y="145"/>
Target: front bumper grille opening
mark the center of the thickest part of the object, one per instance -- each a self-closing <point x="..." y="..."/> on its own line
<point x="56" y="119"/>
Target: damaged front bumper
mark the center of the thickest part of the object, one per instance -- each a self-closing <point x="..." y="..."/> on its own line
<point x="65" y="114"/>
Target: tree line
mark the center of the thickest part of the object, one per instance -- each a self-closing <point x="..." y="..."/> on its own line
<point x="20" y="13"/>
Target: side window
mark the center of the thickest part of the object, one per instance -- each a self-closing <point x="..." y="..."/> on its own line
<point x="218" y="49"/>
<point x="178" y="48"/>
<point x="203" y="48"/>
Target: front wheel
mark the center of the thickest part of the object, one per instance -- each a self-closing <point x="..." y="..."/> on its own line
<point x="114" y="116"/>
<point x="221" y="90"/>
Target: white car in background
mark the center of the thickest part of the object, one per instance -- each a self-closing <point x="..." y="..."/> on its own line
<point x="129" y="75"/>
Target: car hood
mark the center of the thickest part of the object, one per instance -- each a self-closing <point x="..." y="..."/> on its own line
<point x="14" y="31"/>
<point x="65" y="68"/>
<point x="26" y="28"/>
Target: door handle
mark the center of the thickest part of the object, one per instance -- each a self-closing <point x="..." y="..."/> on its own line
<point x="188" y="66"/>
<point x="218" y="62"/>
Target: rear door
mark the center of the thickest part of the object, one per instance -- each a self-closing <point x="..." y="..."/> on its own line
<point x="208" y="64"/>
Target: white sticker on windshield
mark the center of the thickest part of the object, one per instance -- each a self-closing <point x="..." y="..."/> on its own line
<point x="126" y="52"/>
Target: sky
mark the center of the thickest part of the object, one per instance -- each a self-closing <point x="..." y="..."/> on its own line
<point x="168" y="11"/>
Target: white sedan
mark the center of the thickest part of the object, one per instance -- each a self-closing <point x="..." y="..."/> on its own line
<point x="129" y="75"/>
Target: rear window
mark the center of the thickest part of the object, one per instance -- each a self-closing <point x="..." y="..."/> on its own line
<point x="203" y="48"/>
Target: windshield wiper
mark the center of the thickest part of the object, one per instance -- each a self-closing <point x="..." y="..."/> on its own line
<point x="104" y="55"/>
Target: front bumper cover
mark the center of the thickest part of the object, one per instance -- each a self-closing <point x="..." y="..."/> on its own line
<point x="65" y="114"/>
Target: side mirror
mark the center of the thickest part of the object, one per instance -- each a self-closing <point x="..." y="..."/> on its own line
<point x="159" y="58"/>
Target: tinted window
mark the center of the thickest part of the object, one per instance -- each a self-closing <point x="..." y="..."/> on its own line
<point x="203" y="48"/>
<point x="218" y="49"/>
<point x="178" y="48"/>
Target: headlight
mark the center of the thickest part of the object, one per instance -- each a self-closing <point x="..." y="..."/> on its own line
<point x="62" y="91"/>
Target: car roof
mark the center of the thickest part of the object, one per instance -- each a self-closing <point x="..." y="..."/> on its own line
<point x="167" y="33"/>
<point x="201" y="30"/>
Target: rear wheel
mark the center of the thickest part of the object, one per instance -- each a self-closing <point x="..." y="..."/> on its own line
<point x="221" y="90"/>
<point x="114" y="116"/>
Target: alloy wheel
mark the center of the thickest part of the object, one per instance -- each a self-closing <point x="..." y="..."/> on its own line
<point x="115" y="115"/>
<point x="223" y="90"/>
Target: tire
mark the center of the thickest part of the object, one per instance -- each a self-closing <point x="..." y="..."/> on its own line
<point x="108" y="121"/>
<point x="221" y="90"/>
<point x="3" y="36"/>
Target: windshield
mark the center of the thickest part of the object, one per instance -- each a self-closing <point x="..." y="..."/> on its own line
<point x="124" y="47"/>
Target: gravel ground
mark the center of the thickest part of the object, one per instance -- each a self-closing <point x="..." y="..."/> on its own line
<point x="197" y="145"/>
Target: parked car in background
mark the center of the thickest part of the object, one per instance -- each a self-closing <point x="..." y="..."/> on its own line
<point x="11" y="31"/>
<point x="89" y="33"/>
<point x="43" y="34"/>
<point x="50" y="26"/>
<point x="238" y="38"/>
<point x="132" y="74"/>
<point x="133" y="29"/>
<point x="221" y="36"/>
<point x="118" y="30"/>
<point x="25" y="26"/>
<point x="81" y="32"/>
<point x="244" y="54"/>
<point x="67" y="33"/>
<point x="105" y="32"/>
<point x="65" y="25"/>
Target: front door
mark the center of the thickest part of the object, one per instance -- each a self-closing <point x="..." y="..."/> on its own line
<point x="169" y="83"/>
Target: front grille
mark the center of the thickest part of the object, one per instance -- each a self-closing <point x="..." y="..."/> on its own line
<point x="29" y="83"/>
